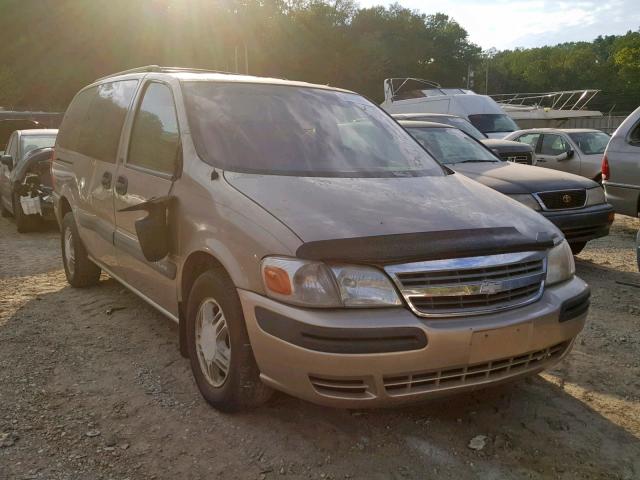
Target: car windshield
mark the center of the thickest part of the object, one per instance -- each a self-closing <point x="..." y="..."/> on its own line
<point x="285" y="130"/>
<point x="590" y="143"/>
<point x="450" y="145"/>
<point x="463" y="125"/>
<point x="33" y="142"/>
<point x="493" y="123"/>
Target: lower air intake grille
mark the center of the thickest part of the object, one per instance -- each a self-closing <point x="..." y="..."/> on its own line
<point x="341" y="387"/>
<point x="472" y="374"/>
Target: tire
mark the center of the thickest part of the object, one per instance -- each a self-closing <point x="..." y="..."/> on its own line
<point x="80" y="271"/>
<point x="577" y="247"/>
<point x="240" y="387"/>
<point x="24" y="223"/>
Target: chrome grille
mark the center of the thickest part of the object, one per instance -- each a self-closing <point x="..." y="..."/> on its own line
<point x="475" y="285"/>
<point x="562" y="199"/>
<point x="523" y="158"/>
<point x="472" y="374"/>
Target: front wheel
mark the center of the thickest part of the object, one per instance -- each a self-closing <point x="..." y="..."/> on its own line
<point x="219" y="349"/>
<point x="80" y="271"/>
<point x="577" y="247"/>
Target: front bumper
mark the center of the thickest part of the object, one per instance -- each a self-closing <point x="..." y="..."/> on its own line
<point x="460" y="353"/>
<point x="583" y="224"/>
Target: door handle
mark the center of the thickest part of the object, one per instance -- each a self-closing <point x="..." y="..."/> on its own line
<point x="106" y="180"/>
<point x="121" y="185"/>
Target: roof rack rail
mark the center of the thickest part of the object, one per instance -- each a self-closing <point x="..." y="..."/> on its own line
<point x="158" y="68"/>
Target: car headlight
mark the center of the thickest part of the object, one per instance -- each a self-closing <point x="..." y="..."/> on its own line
<point x="526" y="199"/>
<point x="560" y="264"/>
<point x="595" y="196"/>
<point x="316" y="284"/>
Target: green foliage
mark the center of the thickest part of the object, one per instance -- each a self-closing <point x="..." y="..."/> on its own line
<point x="49" y="49"/>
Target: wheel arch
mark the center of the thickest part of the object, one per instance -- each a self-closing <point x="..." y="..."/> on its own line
<point x="195" y="265"/>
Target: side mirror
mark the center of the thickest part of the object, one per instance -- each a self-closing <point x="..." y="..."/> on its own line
<point x="7" y="160"/>
<point x="570" y="153"/>
<point x="153" y="230"/>
<point x="566" y="155"/>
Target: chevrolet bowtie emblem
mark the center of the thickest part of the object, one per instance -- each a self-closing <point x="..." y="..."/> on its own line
<point x="490" y="288"/>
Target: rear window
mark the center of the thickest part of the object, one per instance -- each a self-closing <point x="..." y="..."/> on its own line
<point x="493" y="123"/>
<point x="34" y="142"/>
<point x="590" y="143"/>
<point x="284" y="130"/>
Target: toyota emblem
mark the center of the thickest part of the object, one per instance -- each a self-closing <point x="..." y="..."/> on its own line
<point x="566" y="198"/>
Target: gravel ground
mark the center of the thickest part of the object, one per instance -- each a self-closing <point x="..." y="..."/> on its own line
<point x="92" y="386"/>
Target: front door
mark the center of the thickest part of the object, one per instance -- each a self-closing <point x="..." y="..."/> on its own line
<point x="148" y="172"/>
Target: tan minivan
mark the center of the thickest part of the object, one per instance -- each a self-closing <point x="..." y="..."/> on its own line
<point x="305" y="242"/>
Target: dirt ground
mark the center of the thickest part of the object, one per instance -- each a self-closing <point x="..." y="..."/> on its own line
<point x="92" y="386"/>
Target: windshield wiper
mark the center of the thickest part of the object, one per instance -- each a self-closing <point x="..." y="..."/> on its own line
<point x="478" y="161"/>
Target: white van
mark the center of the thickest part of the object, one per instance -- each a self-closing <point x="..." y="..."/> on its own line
<point x="414" y="95"/>
<point x="620" y="172"/>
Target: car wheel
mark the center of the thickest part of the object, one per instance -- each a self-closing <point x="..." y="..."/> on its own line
<point x="577" y="247"/>
<point x="80" y="271"/>
<point x="220" y="353"/>
<point x="24" y="223"/>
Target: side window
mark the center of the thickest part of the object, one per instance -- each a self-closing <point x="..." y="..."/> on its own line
<point x="530" y="139"/>
<point x="74" y="118"/>
<point x="634" y="136"/>
<point x="102" y="126"/>
<point x="155" y="138"/>
<point x="553" y="145"/>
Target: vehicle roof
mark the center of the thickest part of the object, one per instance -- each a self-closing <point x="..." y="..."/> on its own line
<point x="419" y="124"/>
<point x="38" y="131"/>
<point x="561" y="130"/>
<point x="219" y="77"/>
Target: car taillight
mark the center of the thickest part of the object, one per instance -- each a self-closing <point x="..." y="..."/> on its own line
<point x="605" y="168"/>
<point x="53" y="159"/>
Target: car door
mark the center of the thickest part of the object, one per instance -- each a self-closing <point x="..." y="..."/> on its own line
<point x="5" y="173"/>
<point x="557" y="153"/>
<point x="150" y="167"/>
<point x="92" y="147"/>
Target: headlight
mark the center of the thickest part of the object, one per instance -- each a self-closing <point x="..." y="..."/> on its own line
<point x="595" y="196"/>
<point x="526" y="199"/>
<point x="560" y="264"/>
<point x="316" y="284"/>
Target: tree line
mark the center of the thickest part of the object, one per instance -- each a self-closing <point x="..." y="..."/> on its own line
<point x="49" y="49"/>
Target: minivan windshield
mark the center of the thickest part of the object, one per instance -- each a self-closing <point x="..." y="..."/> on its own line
<point x="450" y="145"/>
<point x="288" y="130"/>
<point x="493" y="122"/>
<point x="590" y="143"/>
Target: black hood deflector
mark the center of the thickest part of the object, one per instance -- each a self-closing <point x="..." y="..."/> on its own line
<point x="419" y="246"/>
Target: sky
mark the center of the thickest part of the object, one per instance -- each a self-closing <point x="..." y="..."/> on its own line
<point x="506" y="24"/>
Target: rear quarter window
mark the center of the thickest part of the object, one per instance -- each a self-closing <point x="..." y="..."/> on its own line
<point x="72" y="123"/>
<point x="93" y="122"/>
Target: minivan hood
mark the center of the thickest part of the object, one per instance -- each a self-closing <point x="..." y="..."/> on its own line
<point x="321" y="208"/>
<point x="514" y="178"/>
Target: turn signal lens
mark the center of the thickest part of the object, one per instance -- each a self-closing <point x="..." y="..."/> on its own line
<point x="277" y="280"/>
